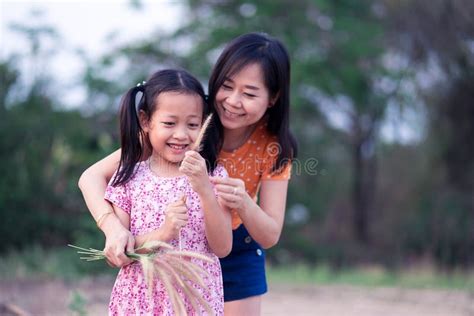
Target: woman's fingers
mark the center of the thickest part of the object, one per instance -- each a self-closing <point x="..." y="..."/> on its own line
<point x="116" y="246"/>
<point x="224" y="188"/>
<point x="232" y="182"/>
<point x="219" y="180"/>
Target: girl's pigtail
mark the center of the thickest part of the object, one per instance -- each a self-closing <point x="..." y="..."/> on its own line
<point x="131" y="135"/>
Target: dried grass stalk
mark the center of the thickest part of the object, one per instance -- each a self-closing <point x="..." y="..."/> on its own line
<point x="197" y="146"/>
<point x="160" y="261"/>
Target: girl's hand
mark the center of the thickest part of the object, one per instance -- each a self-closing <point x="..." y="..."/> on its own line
<point x="231" y="193"/>
<point x="176" y="216"/>
<point x="194" y="166"/>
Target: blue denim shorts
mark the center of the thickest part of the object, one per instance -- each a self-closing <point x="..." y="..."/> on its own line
<point x="243" y="270"/>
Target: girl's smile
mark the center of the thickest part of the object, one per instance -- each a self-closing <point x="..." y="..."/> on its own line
<point x="173" y="126"/>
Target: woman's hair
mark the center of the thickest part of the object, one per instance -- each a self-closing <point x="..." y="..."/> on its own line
<point x="271" y="55"/>
<point x="134" y="141"/>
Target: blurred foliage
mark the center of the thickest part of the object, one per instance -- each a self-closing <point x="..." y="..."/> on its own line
<point x="354" y="197"/>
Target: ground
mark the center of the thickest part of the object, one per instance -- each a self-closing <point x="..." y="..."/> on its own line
<point x="54" y="297"/>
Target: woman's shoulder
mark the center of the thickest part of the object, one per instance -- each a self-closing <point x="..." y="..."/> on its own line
<point x="262" y="135"/>
<point x="263" y="142"/>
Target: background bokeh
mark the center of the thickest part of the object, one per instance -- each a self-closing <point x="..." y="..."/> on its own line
<point x="382" y="106"/>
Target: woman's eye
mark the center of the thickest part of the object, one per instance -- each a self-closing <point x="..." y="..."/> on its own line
<point x="168" y="123"/>
<point x="226" y="87"/>
<point x="250" y="95"/>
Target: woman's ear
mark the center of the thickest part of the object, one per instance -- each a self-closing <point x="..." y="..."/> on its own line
<point x="274" y="99"/>
<point x="144" y="121"/>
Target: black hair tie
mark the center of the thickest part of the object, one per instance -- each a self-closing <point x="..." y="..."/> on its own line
<point x="141" y="86"/>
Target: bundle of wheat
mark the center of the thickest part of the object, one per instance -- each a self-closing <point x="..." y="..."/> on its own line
<point x="160" y="261"/>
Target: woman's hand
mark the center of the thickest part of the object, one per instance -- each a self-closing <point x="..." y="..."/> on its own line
<point x="194" y="166"/>
<point x="117" y="242"/>
<point x="176" y="217"/>
<point x="231" y="193"/>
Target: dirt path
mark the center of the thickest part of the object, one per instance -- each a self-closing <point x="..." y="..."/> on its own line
<point x="51" y="297"/>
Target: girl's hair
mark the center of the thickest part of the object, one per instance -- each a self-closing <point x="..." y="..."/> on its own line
<point x="134" y="141"/>
<point x="271" y="55"/>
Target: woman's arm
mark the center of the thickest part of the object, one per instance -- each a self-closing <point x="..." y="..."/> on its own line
<point x="93" y="183"/>
<point x="264" y="222"/>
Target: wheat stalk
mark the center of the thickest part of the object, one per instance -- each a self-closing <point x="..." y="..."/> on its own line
<point x="172" y="267"/>
<point x="197" y="146"/>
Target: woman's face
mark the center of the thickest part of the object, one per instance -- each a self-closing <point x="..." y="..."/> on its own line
<point x="243" y="99"/>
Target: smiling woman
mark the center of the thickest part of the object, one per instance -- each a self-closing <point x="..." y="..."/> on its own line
<point x="242" y="101"/>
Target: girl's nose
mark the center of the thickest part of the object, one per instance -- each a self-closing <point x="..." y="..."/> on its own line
<point x="180" y="133"/>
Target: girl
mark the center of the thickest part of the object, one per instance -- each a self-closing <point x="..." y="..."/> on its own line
<point x="249" y="92"/>
<point x="147" y="196"/>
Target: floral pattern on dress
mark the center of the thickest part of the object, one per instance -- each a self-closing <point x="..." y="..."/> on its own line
<point x="145" y="198"/>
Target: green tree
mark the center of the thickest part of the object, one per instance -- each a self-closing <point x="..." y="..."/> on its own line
<point x="43" y="149"/>
<point x="437" y="37"/>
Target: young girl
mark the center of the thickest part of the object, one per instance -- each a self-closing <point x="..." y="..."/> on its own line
<point x="168" y="196"/>
<point x="249" y="92"/>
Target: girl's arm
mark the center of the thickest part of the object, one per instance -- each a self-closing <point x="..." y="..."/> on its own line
<point x="93" y="183"/>
<point x="176" y="216"/>
<point x="264" y="222"/>
<point x="217" y="220"/>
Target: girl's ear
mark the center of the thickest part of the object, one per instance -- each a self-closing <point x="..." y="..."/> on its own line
<point x="144" y="121"/>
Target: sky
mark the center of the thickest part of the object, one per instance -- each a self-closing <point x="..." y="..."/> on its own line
<point x="85" y="25"/>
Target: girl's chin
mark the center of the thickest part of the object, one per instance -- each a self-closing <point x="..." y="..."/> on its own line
<point x="174" y="159"/>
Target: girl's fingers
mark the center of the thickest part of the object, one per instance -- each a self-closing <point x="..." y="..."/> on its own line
<point x="192" y="154"/>
<point x="177" y="203"/>
<point x="192" y="159"/>
<point x="177" y="211"/>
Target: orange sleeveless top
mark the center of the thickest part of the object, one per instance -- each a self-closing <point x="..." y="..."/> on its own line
<point x="253" y="162"/>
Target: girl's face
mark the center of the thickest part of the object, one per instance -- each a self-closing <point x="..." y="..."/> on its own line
<point x="243" y="99"/>
<point x="174" y="125"/>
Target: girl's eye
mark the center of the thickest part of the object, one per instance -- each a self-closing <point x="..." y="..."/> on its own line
<point x="193" y="126"/>
<point x="250" y="95"/>
<point x="226" y="87"/>
<point x="168" y="123"/>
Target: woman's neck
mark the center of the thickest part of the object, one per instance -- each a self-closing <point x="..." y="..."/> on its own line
<point x="235" y="138"/>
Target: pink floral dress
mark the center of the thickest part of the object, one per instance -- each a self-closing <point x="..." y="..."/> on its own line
<point x="145" y="198"/>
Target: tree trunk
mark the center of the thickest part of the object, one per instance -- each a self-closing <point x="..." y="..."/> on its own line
<point x="364" y="166"/>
